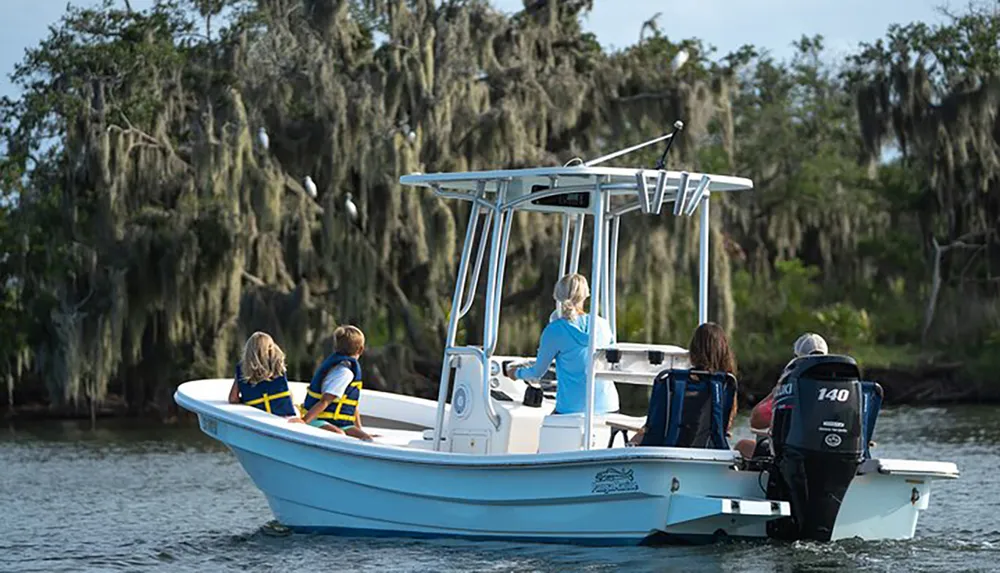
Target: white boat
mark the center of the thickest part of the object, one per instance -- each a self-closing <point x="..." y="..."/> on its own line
<point x="487" y="460"/>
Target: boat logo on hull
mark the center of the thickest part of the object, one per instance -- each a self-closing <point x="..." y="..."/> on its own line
<point x="210" y="426"/>
<point x="614" y="480"/>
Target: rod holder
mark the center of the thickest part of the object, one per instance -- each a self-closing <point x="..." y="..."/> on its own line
<point x="640" y="182"/>
<point x="661" y="187"/>
<point x="699" y="193"/>
<point x="682" y="186"/>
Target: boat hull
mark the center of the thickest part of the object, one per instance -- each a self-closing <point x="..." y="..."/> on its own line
<point x="319" y="490"/>
<point x="315" y="481"/>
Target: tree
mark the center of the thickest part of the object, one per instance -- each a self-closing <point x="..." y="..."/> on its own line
<point x="148" y="231"/>
<point x="935" y="92"/>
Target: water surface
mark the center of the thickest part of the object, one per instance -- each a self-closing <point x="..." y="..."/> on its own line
<point x="130" y="497"/>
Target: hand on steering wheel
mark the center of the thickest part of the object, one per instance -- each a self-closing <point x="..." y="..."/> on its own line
<point x="510" y="370"/>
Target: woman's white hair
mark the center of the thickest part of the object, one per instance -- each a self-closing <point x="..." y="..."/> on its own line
<point x="570" y="293"/>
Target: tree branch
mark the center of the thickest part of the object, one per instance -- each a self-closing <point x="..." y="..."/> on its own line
<point x="255" y="280"/>
<point x="939" y="252"/>
<point x="642" y="96"/>
<point x="132" y="130"/>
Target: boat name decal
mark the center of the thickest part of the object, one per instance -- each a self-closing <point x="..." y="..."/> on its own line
<point x="210" y="426"/>
<point x="614" y="480"/>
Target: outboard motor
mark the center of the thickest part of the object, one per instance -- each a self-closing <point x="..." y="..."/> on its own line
<point x="818" y="444"/>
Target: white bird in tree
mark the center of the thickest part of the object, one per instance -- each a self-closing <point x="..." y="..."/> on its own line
<point x="350" y="208"/>
<point x="310" y="186"/>
<point x="679" y="60"/>
<point x="263" y="139"/>
<point x="412" y="136"/>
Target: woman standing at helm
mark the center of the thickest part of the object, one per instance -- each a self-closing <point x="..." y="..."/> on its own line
<point x="566" y="340"/>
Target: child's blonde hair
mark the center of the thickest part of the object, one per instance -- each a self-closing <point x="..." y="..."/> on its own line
<point x="262" y="359"/>
<point x="570" y="292"/>
<point x="349" y="340"/>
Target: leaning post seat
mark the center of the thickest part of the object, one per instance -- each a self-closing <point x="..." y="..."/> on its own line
<point x="690" y="409"/>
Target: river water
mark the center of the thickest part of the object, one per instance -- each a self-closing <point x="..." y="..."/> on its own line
<point x="128" y="497"/>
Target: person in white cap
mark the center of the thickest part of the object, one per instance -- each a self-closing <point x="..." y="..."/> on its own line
<point x="808" y="344"/>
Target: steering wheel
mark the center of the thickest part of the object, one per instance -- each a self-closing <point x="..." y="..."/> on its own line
<point x="504" y="366"/>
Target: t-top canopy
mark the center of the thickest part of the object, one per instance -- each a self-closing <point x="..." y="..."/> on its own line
<point x="567" y="189"/>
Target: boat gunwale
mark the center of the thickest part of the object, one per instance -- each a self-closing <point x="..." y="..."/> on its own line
<point x="403" y="454"/>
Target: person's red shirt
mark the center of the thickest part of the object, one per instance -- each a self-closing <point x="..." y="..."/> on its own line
<point x="760" y="416"/>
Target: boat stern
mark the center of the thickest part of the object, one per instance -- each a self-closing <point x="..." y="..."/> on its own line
<point x="885" y="499"/>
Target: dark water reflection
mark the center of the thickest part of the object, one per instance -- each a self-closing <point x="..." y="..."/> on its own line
<point x="129" y="497"/>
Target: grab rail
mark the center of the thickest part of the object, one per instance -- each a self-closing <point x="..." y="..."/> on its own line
<point x="497" y="248"/>
<point x="613" y="276"/>
<point x="462" y="275"/>
<point x="477" y="271"/>
<point x="498" y="287"/>
<point x="564" y="245"/>
<point x="574" y="262"/>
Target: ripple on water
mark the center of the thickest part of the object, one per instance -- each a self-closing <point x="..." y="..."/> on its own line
<point x="149" y="498"/>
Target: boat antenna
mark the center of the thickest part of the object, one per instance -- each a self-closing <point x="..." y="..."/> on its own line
<point x="678" y="125"/>
<point x="621" y="152"/>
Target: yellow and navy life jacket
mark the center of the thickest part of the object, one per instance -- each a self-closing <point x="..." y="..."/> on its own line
<point x="272" y="395"/>
<point x="341" y="411"/>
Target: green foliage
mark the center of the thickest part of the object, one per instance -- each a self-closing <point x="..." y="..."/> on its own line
<point x="777" y="308"/>
<point x="845" y="326"/>
<point x="634" y="324"/>
<point x="776" y="312"/>
<point x="983" y="364"/>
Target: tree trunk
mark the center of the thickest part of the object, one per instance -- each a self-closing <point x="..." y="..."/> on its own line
<point x="935" y="288"/>
<point x="939" y="252"/>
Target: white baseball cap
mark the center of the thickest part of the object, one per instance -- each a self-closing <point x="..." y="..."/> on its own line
<point x="810" y="343"/>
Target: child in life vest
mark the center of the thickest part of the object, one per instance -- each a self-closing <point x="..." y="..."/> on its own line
<point x="332" y="399"/>
<point x="260" y="378"/>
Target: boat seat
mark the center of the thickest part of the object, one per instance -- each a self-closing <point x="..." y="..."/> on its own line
<point x="619" y="423"/>
<point x="690" y="408"/>
<point x="622" y="424"/>
<point x="871" y="405"/>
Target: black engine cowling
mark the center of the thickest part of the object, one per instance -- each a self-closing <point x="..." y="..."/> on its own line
<point x="818" y="443"/>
